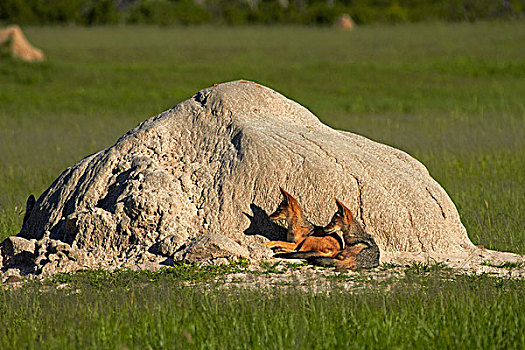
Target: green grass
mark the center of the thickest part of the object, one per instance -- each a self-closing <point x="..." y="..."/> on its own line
<point x="144" y="310"/>
<point x="450" y="95"/>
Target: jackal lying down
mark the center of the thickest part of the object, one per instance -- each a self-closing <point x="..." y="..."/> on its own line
<point x="342" y="243"/>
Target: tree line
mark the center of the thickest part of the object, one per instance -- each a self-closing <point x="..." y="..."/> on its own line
<point x="239" y="12"/>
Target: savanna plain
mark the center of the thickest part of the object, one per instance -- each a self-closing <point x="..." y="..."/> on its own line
<point x="451" y="95"/>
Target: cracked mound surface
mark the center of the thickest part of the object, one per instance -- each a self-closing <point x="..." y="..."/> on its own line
<point x="196" y="183"/>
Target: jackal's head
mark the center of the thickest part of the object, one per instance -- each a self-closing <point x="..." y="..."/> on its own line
<point x="344" y="224"/>
<point x="287" y="210"/>
<point x="341" y="220"/>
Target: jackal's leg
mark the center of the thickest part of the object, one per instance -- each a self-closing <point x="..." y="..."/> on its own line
<point x="301" y="255"/>
<point x="281" y="244"/>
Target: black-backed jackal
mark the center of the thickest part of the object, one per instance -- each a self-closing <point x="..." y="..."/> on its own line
<point x="302" y="235"/>
<point x="358" y="250"/>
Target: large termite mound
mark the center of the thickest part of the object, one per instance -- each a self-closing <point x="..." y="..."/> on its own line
<point x="198" y="181"/>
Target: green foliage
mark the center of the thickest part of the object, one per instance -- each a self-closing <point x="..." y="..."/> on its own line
<point x="231" y="12"/>
<point x="424" y="268"/>
<point x="37" y="12"/>
<point x="472" y="10"/>
<point x="320" y="13"/>
<point x="164" y="13"/>
<point x="238" y="12"/>
<point x="506" y="265"/>
<point x="100" y="12"/>
<point x="395" y="13"/>
<point x="125" y="277"/>
<point x="270" y="267"/>
<point x="388" y="266"/>
<point x="5" y="51"/>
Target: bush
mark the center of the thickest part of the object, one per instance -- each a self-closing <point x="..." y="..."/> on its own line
<point x="231" y="12"/>
<point x="59" y="12"/>
<point x="100" y="12"/>
<point x="270" y="12"/>
<point x="164" y="12"/>
<point x="238" y="12"/>
<point x="471" y="10"/>
<point x="321" y="13"/>
<point x="395" y="13"/>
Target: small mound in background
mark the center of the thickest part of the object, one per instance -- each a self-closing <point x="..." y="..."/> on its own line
<point x="18" y="46"/>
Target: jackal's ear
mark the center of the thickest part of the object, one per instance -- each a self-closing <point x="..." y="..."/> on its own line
<point x="343" y="211"/>
<point x="293" y="203"/>
<point x="284" y="193"/>
<point x="340" y="207"/>
<point x="288" y="197"/>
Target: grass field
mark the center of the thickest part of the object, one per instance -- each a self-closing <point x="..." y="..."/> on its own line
<point x="129" y="310"/>
<point x="450" y="95"/>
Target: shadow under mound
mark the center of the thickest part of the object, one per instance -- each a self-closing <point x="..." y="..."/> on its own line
<point x="260" y="224"/>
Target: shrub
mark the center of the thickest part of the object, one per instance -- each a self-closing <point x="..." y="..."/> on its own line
<point x="235" y="12"/>
<point x="164" y="12"/>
